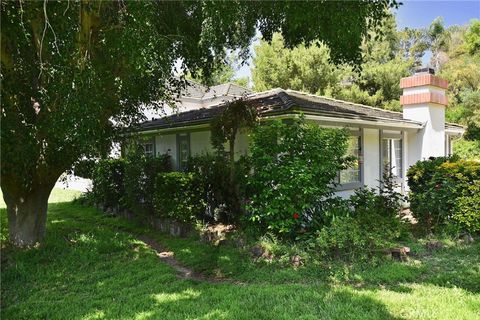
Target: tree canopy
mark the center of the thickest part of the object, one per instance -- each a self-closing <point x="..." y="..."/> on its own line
<point x="388" y="55"/>
<point x="75" y="72"/>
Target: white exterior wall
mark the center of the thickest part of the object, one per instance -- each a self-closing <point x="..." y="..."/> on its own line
<point x="200" y="142"/>
<point x="167" y="144"/>
<point x="430" y="141"/>
<point x="241" y="145"/>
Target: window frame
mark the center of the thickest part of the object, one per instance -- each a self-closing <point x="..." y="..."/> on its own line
<point x="150" y="141"/>
<point x="448" y="145"/>
<point x="186" y="136"/>
<point x="393" y="136"/>
<point x="148" y="153"/>
<point x="359" y="133"/>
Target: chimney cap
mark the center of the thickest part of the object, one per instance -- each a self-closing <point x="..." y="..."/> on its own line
<point x="426" y="70"/>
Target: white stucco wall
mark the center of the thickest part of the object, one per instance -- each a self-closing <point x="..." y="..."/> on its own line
<point x="241" y="144"/>
<point x="167" y="144"/>
<point x="200" y="142"/>
<point x="429" y="141"/>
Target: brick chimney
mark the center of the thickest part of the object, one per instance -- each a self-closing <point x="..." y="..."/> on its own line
<point x="424" y="100"/>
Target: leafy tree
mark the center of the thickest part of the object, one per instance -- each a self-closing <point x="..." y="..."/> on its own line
<point x="439" y="39"/>
<point x="223" y="73"/>
<point x="472" y="37"/>
<point x="294" y="166"/>
<point x="237" y="115"/>
<point x="74" y="72"/>
<point x="302" y="68"/>
<point x="309" y="69"/>
<point x="462" y="70"/>
<point x="385" y="63"/>
<point x="413" y="44"/>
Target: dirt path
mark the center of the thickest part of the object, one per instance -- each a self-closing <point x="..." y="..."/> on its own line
<point x="183" y="272"/>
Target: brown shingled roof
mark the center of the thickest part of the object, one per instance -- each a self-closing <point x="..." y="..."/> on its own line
<point x="280" y="101"/>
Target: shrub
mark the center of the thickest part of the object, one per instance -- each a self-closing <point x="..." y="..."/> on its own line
<point x="362" y="227"/>
<point x="293" y="167"/>
<point x="85" y="168"/>
<point x="213" y="172"/>
<point x="223" y="203"/>
<point x="107" y="182"/>
<point x="384" y="201"/>
<point x="466" y="212"/>
<point x="178" y="195"/>
<point x="444" y="191"/>
<point x="355" y="238"/>
<point x="140" y="175"/>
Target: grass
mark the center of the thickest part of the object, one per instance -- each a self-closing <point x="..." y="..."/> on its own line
<point x="57" y="195"/>
<point x="89" y="269"/>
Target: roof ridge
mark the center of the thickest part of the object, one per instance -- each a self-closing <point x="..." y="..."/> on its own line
<point x="342" y="101"/>
<point x="237" y="85"/>
<point x="273" y="91"/>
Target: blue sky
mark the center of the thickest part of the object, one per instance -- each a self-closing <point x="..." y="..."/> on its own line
<point x="420" y="13"/>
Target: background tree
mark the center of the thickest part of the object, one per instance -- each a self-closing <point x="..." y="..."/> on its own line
<point x="439" y="39"/>
<point x="74" y="73"/>
<point x="223" y="73"/>
<point x="462" y="70"/>
<point x="388" y="55"/>
<point x="302" y="68"/>
<point x="472" y="37"/>
<point x="385" y="62"/>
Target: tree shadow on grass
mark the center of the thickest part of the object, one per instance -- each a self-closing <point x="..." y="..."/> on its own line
<point x="87" y="271"/>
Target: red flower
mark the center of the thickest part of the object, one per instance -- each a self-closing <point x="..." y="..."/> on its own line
<point x="296" y="216"/>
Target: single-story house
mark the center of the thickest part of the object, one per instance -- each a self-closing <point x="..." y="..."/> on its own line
<point x="379" y="137"/>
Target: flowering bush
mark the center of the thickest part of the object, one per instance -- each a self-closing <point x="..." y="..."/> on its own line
<point x="445" y="191"/>
<point x="294" y="166"/>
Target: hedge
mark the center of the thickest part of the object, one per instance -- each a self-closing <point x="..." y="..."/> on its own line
<point x="108" y="182"/>
<point x="179" y="195"/>
<point x="140" y="174"/>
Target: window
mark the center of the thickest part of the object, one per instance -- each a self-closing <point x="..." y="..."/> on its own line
<point x="392" y="156"/>
<point x="148" y="148"/>
<point x="352" y="174"/>
<point x="183" y="150"/>
<point x="448" y="145"/>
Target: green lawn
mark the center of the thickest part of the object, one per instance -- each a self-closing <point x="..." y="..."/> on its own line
<point x="89" y="269"/>
<point x="57" y="195"/>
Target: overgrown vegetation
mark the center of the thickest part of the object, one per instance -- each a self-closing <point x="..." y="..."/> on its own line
<point x="139" y="180"/>
<point x="444" y="193"/>
<point x="108" y="183"/>
<point x="294" y="166"/>
<point x="365" y="227"/>
<point x="75" y="74"/>
<point x="179" y="195"/>
<point x="129" y="281"/>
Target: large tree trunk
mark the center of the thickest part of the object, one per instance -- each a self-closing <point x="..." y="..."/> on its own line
<point x="27" y="216"/>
